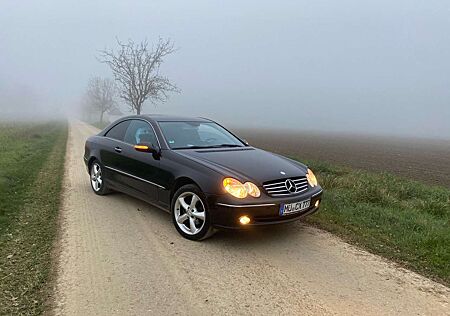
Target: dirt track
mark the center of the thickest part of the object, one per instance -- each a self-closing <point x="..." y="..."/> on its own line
<point x="121" y="256"/>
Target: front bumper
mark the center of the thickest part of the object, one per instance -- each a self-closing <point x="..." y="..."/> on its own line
<point x="266" y="211"/>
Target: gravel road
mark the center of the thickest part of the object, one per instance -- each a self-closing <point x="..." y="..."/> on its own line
<point x="120" y="256"/>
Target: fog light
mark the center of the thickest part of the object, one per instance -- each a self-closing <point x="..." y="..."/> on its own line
<point x="244" y="220"/>
<point x="317" y="203"/>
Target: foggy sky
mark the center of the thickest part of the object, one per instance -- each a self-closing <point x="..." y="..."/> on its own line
<point x="351" y="65"/>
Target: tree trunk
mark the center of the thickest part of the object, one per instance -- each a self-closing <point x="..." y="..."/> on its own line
<point x="101" y="117"/>
<point x="138" y="111"/>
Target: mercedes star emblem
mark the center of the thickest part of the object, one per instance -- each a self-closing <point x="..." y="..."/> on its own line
<point x="290" y="186"/>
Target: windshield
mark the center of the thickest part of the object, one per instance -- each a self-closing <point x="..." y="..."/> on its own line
<point x="190" y="135"/>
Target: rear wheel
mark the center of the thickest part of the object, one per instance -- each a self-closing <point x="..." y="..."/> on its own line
<point x="98" y="184"/>
<point x="190" y="213"/>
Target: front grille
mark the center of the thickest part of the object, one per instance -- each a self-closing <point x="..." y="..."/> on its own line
<point x="280" y="187"/>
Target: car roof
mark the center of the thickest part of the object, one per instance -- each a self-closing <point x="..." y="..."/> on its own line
<point x="170" y="118"/>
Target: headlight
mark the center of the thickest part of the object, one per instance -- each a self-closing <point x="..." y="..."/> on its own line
<point x="252" y="189"/>
<point x="312" y="180"/>
<point x="235" y="188"/>
<point x="239" y="190"/>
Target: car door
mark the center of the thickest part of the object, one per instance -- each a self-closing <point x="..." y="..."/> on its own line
<point x="111" y="154"/>
<point x="142" y="168"/>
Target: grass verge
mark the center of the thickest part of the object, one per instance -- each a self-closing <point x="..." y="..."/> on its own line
<point x="32" y="167"/>
<point x="403" y="220"/>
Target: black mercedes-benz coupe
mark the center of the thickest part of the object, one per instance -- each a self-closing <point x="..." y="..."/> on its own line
<point x="200" y="172"/>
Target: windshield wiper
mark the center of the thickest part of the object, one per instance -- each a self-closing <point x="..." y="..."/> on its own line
<point x="210" y="146"/>
<point x="226" y="145"/>
<point x="192" y="147"/>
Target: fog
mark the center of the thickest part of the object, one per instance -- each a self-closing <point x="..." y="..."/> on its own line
<point x="377" y="67"/>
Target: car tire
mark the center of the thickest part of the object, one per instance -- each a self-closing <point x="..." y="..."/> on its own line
<point x="190" y="214"/>
<point x="97" y="178"/>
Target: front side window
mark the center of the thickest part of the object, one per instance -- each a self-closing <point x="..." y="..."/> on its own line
<point x="185" y="135"/>
<point x="140" y="132"/>
<point x="118" y="131"/>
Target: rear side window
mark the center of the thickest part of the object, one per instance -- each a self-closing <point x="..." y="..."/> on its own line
<point x="118" y="131"/>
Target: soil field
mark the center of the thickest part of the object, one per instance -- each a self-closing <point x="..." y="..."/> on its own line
<point x="418" y="159"/>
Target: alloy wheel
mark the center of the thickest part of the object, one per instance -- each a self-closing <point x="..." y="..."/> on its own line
<point x="96" y="177"/>
<point x="189" y="213"/>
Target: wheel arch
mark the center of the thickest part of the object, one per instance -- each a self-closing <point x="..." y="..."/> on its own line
<point x="179" y="182"/>
<point x="90" y="161"/>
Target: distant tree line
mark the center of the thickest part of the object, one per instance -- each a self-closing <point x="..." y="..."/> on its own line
<point x="136" y="78"/>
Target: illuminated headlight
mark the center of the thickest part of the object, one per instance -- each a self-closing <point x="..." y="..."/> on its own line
<point x="239" y="190"/>
<point x="252" y="189"/>
<point x="312" y="180"/>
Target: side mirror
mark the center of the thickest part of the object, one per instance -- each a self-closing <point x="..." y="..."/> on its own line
<point x="245" y="142"/>
<point x="146" y="148"/>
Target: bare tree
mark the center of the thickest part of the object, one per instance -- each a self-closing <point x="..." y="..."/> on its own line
<point x="101" y="95"/>
<point x="136" y="69"/>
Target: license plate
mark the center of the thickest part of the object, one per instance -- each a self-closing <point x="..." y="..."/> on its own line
<point x="290" y="208"/>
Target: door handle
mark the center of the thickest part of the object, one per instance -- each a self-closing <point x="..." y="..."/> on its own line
<point x="118" y="149"/>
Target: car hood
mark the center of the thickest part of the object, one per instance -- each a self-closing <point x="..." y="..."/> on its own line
<point x="247" y="164"/>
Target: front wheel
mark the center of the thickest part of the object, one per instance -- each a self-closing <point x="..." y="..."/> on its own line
<point x="190" y="214"/>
